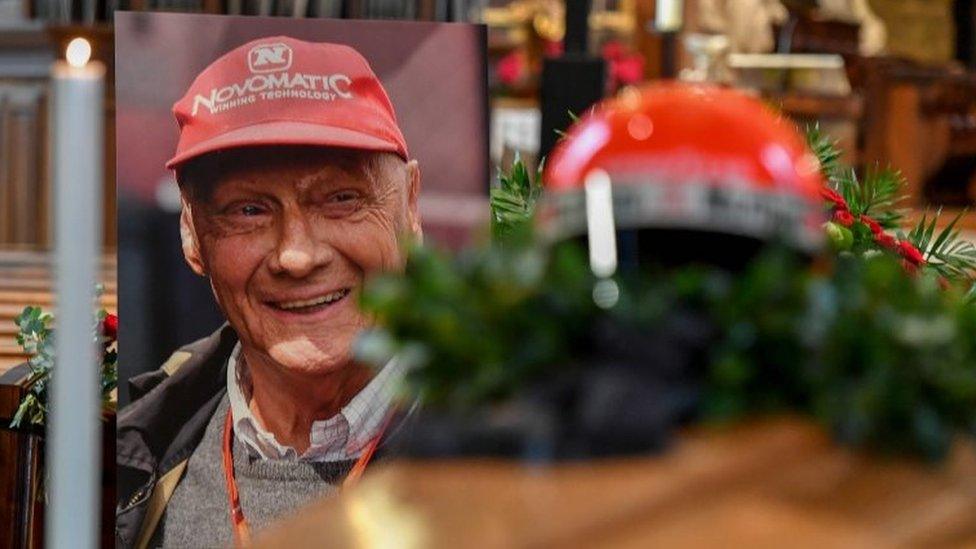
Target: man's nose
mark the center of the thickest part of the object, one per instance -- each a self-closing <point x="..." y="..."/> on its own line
<point x="298" y="252"/>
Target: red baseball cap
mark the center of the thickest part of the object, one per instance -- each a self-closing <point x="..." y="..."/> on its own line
<point x="283" y="91"/>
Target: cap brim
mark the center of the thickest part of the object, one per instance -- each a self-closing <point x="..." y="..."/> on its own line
<point x="286" y="133"/>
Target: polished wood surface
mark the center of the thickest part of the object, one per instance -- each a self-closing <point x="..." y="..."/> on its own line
<point x="22" y="469"/>
<point x="21" y="461"/>
<point x="772" y="484"/>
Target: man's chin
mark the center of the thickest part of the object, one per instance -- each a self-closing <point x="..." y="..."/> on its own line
<point x="303" y="355"/>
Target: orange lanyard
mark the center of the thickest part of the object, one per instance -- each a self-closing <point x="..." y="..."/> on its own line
<point x="242" y="532"/>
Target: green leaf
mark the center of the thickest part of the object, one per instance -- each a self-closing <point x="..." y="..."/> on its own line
<point x="947" y="236"/>
<point x="971" y="295"/>
<point x="513" y="204"/>
<point x="923" y="245"/>
<point x="948" y="254"/>
<point x="880" y="194"/>
<point x="825" y="149"/>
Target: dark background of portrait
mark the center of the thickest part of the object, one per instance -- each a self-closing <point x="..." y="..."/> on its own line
<point x="435" y="74"/>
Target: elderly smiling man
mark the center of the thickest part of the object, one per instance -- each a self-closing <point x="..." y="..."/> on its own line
<point x="296" y="185"/>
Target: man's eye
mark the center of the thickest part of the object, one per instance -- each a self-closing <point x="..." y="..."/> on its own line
<point x="343" y="196"/>
<point x="247" y="210"/>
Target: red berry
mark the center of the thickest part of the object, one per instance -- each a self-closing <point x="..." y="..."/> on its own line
<point x="874" y="225"/>
<point x="886" y="241"/>
<point x="844" y="217"/>
<point x="910" y="253"/>
<point x="833" y="197"/>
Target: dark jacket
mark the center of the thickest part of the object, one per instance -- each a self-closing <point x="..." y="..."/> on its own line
<point x="161" y="427"/>
<point x="165" y="422"/>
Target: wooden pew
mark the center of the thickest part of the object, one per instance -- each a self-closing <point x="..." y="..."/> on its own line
<point x="27" y="278"/>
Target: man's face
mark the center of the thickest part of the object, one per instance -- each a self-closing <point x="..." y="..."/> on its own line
<point x="287" y="237"/>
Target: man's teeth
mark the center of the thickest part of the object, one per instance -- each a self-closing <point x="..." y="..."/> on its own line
<point x="327" y="298"/>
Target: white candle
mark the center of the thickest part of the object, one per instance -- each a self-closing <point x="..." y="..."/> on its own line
<point x="74" y="442"/>
<point x="668" y="15"/>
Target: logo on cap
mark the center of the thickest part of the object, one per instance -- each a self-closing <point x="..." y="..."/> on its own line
<point x="269" y="58"/>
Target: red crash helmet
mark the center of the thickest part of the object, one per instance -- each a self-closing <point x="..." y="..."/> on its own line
<point x="687" y="157"/>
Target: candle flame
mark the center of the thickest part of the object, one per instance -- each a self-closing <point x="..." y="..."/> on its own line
<point x="78" y="52"/>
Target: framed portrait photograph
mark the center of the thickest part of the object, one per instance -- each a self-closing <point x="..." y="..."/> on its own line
<point x="433" y="75"/>
<point x="267" y="168"/>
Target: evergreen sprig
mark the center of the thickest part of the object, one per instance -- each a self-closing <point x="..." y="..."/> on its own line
<point x="881" y="192"/>
<point x="876" y="195"/>
<point x="825" y="149"/>
<point x="895" y="368"/>
<point x="951" y="256"/>
<point x="477" y="327"/>
<point x="885" y="360"/>
<point x="513" y="202"/>
<point x="866" y="209"/>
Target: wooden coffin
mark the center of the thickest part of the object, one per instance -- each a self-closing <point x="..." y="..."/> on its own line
<point x="779" y="483"/>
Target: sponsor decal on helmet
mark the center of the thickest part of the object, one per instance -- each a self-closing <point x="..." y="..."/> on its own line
<point x="729" y="206"/>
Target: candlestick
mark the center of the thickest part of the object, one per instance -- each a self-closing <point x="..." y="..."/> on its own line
<point x="76" y="112"/>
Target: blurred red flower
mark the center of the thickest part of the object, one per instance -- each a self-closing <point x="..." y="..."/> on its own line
<point x="552" y="48"/>
<point x="510" y="68"/>
<point x="613" y="50"/>
<point x="627" y="70"/>
<point x="110" y="326"/>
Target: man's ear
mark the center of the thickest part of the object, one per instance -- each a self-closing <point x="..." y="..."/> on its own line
<point x="413" y="197"/>
<point x="188" y="235"/>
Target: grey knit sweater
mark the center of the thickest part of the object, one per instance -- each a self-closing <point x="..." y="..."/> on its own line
<point x="198" y="515"/>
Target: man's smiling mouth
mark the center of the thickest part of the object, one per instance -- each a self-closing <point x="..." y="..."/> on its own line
<point x="312" y="304"/>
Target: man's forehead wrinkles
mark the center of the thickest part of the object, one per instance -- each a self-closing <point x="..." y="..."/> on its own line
<point x="306" y="174"/>
<point x="252" y="183"/>
<point x="267" y="180"/>
<point x="318" y="178"/>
